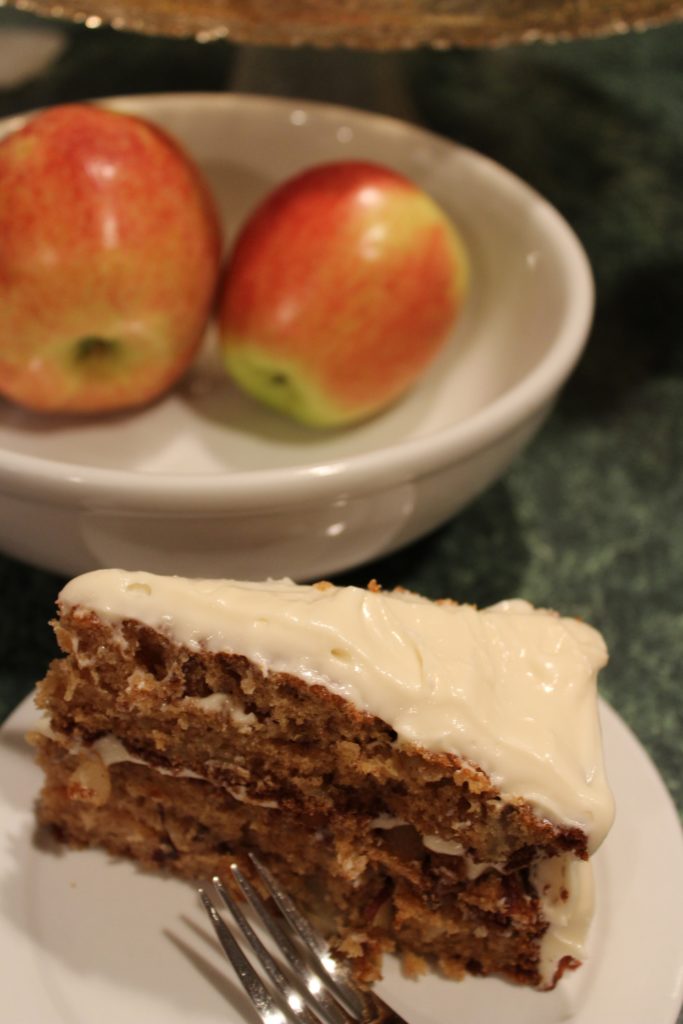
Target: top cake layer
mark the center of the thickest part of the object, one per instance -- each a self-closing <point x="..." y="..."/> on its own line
<point x="510" y="688"/>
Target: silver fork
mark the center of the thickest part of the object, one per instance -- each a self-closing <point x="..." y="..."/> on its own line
<point x="321" y="991"/>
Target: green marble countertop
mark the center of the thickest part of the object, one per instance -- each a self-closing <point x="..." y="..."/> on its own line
<point x="589" y="518"/>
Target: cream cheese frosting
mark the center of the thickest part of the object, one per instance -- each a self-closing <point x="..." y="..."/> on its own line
<point x="565" y="889"/>
<point x="511" y="688"/>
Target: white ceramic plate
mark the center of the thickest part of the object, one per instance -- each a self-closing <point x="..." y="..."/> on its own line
<point x="89" y="941"/>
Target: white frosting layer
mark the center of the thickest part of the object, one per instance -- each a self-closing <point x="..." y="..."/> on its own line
<point x="565" y="888"/>
<point x="511" y="688"/>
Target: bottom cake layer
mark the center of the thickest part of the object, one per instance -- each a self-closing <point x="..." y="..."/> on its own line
<point x="372" y="885"/>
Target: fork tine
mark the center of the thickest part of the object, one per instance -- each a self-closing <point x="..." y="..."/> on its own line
<point x="291" y="995"/>
<point x="332" y="970"/>
<point x="323" y="1006"/>
<point x="371" y="1009"/>
<point x="263" y="1003"/>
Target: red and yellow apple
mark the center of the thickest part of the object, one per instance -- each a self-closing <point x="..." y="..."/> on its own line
<point x="110" y="251"/>
<point x="340" y="289"/>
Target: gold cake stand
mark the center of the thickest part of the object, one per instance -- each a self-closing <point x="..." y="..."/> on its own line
<point x="365" y="24"/>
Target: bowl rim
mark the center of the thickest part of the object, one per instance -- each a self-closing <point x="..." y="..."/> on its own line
<point x="63" y="482"/>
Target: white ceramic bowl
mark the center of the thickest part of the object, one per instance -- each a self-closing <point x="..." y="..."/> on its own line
<point x="208" y="483"/>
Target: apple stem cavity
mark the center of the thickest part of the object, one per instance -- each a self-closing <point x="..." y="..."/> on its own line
<point x="94" y="350"/>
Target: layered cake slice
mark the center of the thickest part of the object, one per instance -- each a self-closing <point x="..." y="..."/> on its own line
<point x="423" y="777"/>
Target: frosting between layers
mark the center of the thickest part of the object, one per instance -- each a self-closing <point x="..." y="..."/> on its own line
<point x="510" y="688"/>
<point x="563" y="884"/>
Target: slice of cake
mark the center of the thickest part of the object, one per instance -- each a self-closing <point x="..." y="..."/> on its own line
<point x="423" y="776"/>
